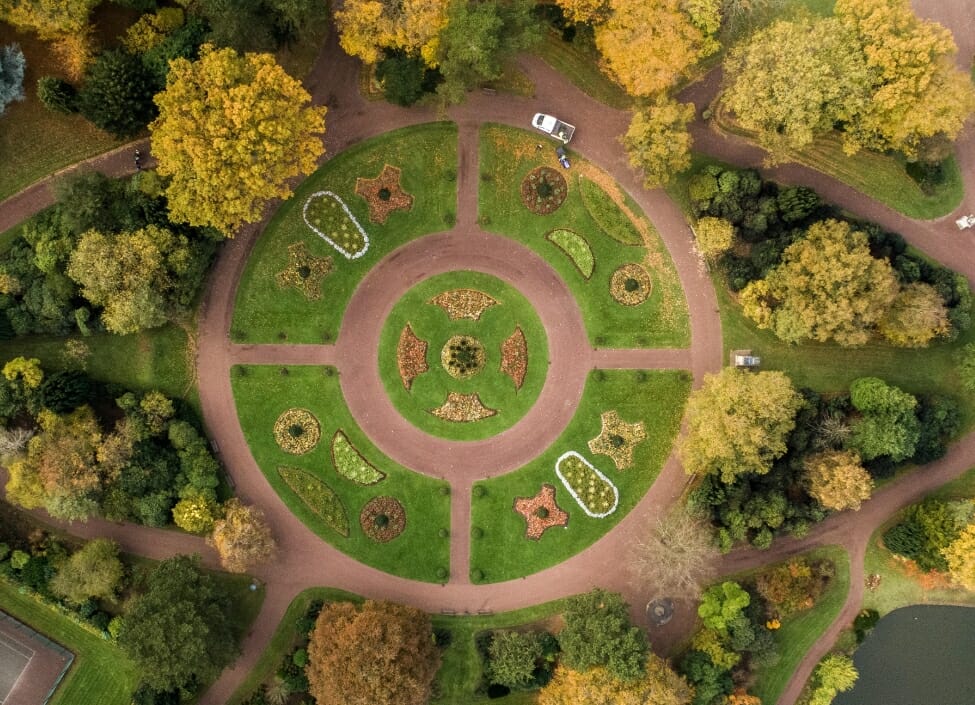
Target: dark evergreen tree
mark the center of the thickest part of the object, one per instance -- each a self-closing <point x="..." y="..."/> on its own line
<point x="117" y="94"/>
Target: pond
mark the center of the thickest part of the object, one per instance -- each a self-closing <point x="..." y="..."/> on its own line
<point x="919" y="655"/>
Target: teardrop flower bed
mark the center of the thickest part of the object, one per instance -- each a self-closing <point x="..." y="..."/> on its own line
<point x="382" y="519"/>
<point x="411" y="356"/>
<point x="350" y="464"/>
<point x="630" y="284"/>
<point x="297" y="431"/>
<point x="543" y="190"/>
<point x="514" y="357"/>
<point x="328" y="216"/>
<point x="318" y="497"/>
<point x="592" y="490"/>
<point x="304" y="272"/>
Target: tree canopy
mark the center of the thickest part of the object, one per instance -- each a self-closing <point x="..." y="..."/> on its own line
<point x="657" y="141"/>
<point x="659" y="685"/>
<point x="960" y="556"/>
<point x="50" y="19"/>
<point x="368" y="28"/>
<point x="738" y="423"/>
<point x="598" y="632"/>
<point x="722" y="604"/>
<point x="232" y="130"/>
<point x="888" y="424"/>
<point x="92" y="571"/>
<point x="242" y="537"/>
<point x="837" y="480"/>
<point x="513" y="656"/>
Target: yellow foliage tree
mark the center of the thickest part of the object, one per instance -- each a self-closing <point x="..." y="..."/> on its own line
<point x="49" y="19"/>
<point x="585" y="11"/>
<point x="367" y="27"/>
<point x="657" y="141"/>
<point x="837" y="480"/>
<point x="648" y="45"/>
<point x="598" y="686"/>
<point x="714" y="236"/>
<point x="232" y="131"/>
<point x="960" y="555"/>
<point x="242" y="538"/>
<point x="828" y="287"/>
<point x="152" y="28"/>
<point x="195" y="514"/>
<point x="27" y="370"/>
<point x="917" y="316"/>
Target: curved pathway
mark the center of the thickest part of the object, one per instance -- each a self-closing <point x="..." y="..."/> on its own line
<point x="306" y="561"/>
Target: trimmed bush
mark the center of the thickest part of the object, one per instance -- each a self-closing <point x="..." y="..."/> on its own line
<point x="57" y="95"/>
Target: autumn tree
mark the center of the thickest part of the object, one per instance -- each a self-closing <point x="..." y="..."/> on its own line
<point x="131" y="275"/>
<point x="180" y="629"/>
<point x="657" y="141"/>
<point x="49" y="19"/>
<point x="888" y="424"/>
<point x="93" y="571"/>
<point x="242" y="537"/>
<point x="585" y="11"/>
<point x="598" y="632"/>
<point x="828" y="287"/>
<point x="834" y="674"/>
<point x="196" y="513"/>
<point x="960" y="556"/>
<point x="367" y="28"/>
<point x="714" y="236"/>
<point x="232" y="131"/>
<point x="659" y="685"/>
<point x="377" y="654"/>
<point x="794" y="80"/>
<point x="648" y="45"/>
<point x="738" y="423"/>
<point x="916" y="316"/>
<point x="677" y="556"/>
<point x="837" y="480"/>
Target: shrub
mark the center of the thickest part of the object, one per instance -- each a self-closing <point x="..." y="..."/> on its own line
<point x="512" y="657"/>
<point x="405" y="78"/>
<point x="117" y="94"/>
<point x="57" y="95"/>
<point x="12" y="65"/>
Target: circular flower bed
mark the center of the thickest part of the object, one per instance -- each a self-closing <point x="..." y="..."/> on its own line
<point x="297" y="431"/>
<point x="543" y="190"/>
<point x="462" y="356"/>
<point x="382" y="519"/>
<point x="630" y="285"/>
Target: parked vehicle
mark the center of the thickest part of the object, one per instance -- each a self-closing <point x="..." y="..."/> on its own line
<point x="553" y="126"/>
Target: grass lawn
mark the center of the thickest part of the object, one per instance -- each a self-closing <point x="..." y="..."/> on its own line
<point x="799" y="632"/>
<point x="580" y="64"/>
<point x="100" y="675"/>
<point x="427" y="155"/>
<point x="495" y="389"/>
<point x="262" y="393"/>
<point x="158" y="359"/>
<point x="654" y="397"/>
<point x="460" y="679"/>
<point x="507" y="155"/>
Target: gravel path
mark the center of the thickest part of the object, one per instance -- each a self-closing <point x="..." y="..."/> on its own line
<point x="306" y="561"/>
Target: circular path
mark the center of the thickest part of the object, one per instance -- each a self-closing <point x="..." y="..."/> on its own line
<point x="304" y="560"/>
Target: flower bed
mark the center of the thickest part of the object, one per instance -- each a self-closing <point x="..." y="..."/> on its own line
<point x="608" y="216"/>
<point x="463" y="303"/>
<point x="592" y="490"/>
<point x="304" y="272"/>
<point x="411" y="356"/>
<point x="382" y="519"/>
<point x="297" y="431"/>
<point x="318" y="497"/>
<point x="463" y="408"/>
<point x="350" y="464"/>
<point x="328" y="216"/>
<point x="514" y="357"/>
<point x="543" y="190"/>
<point x="541" y="512"/>
<point x="617" y="439"/>
<point x="384" y="194"/>
<point x="630" y="285"/>
<point x="462" y="356"/>
<point x="576" y="248"/>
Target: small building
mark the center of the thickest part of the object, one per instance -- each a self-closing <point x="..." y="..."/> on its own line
<point x="745" y="360"/>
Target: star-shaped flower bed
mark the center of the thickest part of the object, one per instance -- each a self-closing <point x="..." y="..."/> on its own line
<point x="305" y="271"/>
<point x="617" y="439"/>
<point x="384" y="194"/>
<point x="541" y="512"/>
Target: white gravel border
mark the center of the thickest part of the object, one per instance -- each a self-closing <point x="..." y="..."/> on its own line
<point x="326" y="238"/>
<point x="616" y="492"/>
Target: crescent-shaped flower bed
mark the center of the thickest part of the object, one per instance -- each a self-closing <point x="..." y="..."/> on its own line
<point x="318" y="497"/>
<point x="592" y="490"/>
<point x="328" y="216"/>
<point x="607" y="213"/>
<point x="350" y="464"/>
<point x="304" y="272"/>
<point x="576" y="248"/>
<point x="463" y="408"/>
<point x="384" y="194"/>
<point x="411" y="356"/>
<point x="514" y="357"/>
<point x="382" y="519"/>
<point x="297" y="431"/>
<point x="630" y="284"/>
<point x="463" y="303"/>
<point x="541" y="512"/>
<point x="543" y="190"/>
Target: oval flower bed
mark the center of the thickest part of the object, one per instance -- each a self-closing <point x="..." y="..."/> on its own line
<point x="327" y="215"/>
<point x="594" y="492"/>
<point x="318" y="497"/>
<point x="543" y="190"/>
<point x="382" y="519"/>
<point x="297" y="431"/>
<point x="631" y="284"/>
<point x="350" y="464"/>
<point x="576" y="249"/>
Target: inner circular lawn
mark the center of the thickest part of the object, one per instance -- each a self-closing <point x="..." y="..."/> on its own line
<point x="457" y="335"/>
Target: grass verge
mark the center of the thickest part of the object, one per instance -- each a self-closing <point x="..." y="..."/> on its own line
<point x="262" y="393"/>
<point x="427" y="155"/>
<point x="506" y="156"/>
<point x="580" y="64"/>
<point x="502" y="552"/>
